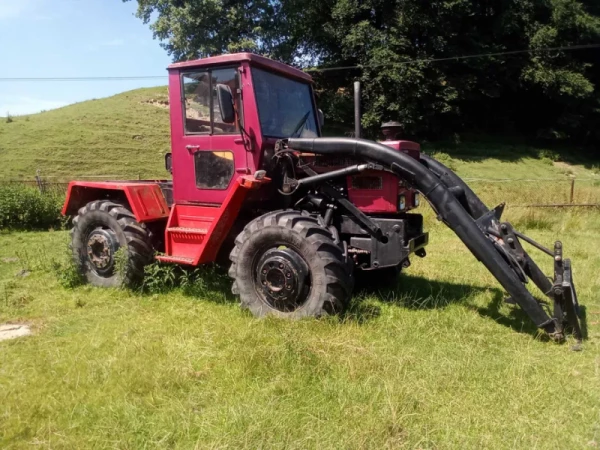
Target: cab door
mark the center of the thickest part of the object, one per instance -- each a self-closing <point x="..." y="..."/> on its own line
<point x="211" y="153"/>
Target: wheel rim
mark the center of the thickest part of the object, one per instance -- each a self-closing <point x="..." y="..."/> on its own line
<point x="282" y="279"/>
<point x="102" y="244"/>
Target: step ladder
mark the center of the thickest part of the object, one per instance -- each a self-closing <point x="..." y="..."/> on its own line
<point x="194" y="234"/>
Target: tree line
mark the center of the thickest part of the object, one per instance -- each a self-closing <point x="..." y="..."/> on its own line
<point x="391" y="46"/>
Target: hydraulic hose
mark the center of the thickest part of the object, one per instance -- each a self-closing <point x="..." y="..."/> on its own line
<point x="449" y="208"/>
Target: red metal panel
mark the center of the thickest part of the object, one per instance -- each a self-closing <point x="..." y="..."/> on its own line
<point x="221" y="227"/>
<point x="147" y="202"/>
<point x="245" y="162"/>
<point x="409" y="147"/>
<point x="240" y="57"/>
<point x="145" y="199"/>
<point x="386" y="198"/>
<point x="194" y="234"/>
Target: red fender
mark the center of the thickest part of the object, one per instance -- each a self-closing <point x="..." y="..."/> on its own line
<point x="145" y="199"/>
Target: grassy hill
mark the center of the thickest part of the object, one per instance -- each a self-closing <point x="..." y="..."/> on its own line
<point x="125" y="136"/>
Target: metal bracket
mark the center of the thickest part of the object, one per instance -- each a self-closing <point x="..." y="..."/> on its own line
<point x="487" y="220"/>
<point x="565" y="296"/>
<point x="354" y="212"/>
<point x="510" y="238"/>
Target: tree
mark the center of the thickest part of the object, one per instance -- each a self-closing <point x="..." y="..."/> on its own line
<point x="393" y="42"/>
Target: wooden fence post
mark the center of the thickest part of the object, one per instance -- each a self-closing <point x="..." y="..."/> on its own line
<point x="40" y="183"/>
<point x="572" y="190"/>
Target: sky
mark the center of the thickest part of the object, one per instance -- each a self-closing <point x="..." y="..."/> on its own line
<point x="72" y="38"/>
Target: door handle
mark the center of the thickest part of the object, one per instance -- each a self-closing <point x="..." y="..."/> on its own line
<point x="192" y="148"/>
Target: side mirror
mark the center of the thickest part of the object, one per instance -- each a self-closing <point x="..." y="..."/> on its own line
<point x="321" y="118"/>
<point x="225" y="99"/>
<point x="169" y="162"/>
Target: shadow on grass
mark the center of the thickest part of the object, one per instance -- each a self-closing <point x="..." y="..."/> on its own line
<point x="421" y="294"/>
<point x="583" y="321"/>
<point x="212" y="283"/>
<point x="516" y="318"/>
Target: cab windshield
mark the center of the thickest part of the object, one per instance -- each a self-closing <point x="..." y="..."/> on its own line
<point x="285" y="106"/>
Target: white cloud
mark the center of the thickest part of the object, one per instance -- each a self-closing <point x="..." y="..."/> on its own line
<point x="19" y="105"/>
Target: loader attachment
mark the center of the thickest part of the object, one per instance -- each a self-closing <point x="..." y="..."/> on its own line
<point x="493" y="242"/>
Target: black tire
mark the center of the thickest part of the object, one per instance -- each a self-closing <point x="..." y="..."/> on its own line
<point x="100" y="229"/>
<point x="318" y="278"/>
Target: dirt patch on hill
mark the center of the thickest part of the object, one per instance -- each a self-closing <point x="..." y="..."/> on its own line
<point x="158" y="102"/>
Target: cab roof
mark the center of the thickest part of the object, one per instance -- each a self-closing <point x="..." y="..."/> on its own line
<point x="234" y="58"/>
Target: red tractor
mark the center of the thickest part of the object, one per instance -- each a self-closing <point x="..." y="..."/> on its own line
<point x="297" y="214"/>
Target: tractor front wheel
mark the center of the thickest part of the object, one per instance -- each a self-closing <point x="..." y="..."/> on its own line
<point x="286" y="264"/>
<point x="99" y="230"/>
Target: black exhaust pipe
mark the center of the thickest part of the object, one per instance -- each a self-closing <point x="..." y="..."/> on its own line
<point x="436" y="182"/>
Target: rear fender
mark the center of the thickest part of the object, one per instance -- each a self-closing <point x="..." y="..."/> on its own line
<point x="145" y="200"/>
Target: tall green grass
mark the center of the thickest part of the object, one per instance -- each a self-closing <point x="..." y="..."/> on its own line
<point x="26" y="208"/>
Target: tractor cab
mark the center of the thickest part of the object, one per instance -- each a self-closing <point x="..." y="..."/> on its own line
<point x="227" y="112"/>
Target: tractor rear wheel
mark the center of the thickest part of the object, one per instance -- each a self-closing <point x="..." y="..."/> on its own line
<point x="100" y="229"/>
<point x="286" y="264"/>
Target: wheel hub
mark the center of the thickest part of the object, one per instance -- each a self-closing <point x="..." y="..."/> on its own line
<point x="101" y="247"/>
<point x="283" y="279"/>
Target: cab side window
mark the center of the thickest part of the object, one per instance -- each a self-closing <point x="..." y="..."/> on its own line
<point x="196" y="90"/>
<point x="202" y="113"/>
<point x="214" y="170"/>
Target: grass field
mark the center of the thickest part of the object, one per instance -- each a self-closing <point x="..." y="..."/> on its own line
<point x="437" y="362"/>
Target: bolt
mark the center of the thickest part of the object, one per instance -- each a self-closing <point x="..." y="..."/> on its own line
<point x="503" y="226"/>
<point x="289" y="275"/>
<point x="289" y="287"/>
<point x="264" y="271"/>
<point x="558" y="244"/>
<point x="510" y="240"/>
<point x="557" y="258"/>
<point x="264" y="283"/>
<point x="519" y="259"/>
<point x="281" y="266"/>
<point x="557" y="291"/>
<point x="396" y="228"/>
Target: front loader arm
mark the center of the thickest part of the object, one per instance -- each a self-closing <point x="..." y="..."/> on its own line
<point x="496" y="244"/>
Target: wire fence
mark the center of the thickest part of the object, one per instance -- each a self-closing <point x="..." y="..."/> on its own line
<point x="516" y="193"/>
<point x="538" y="193"/>
<point x="59" y="184"/>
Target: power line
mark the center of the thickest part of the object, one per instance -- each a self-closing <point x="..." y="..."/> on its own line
<point x="143" y="77"/>
<point x="324" y="69"/>
<point x="457" y="58"/>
